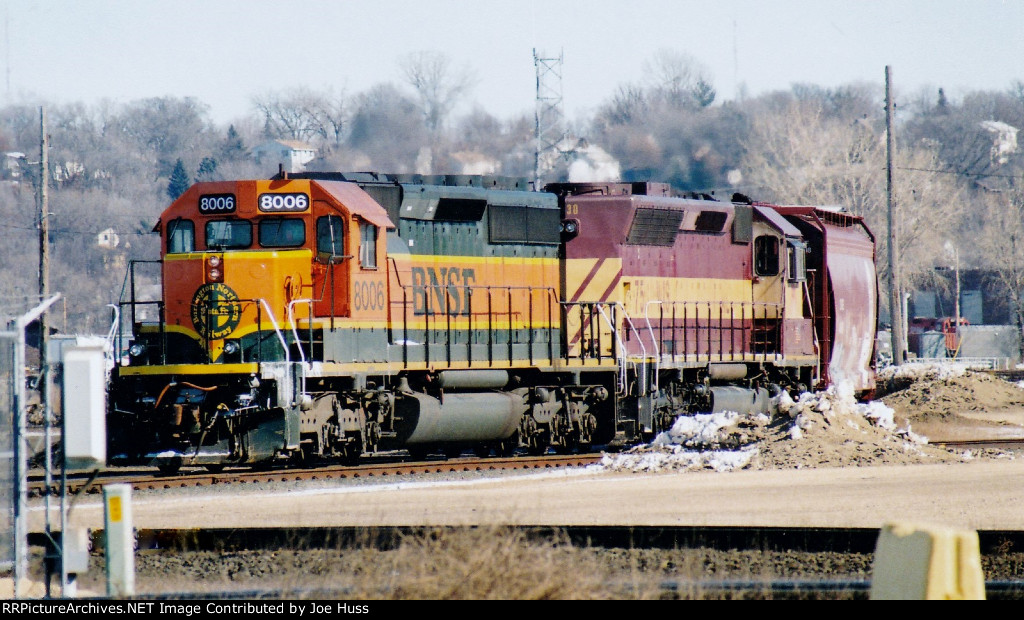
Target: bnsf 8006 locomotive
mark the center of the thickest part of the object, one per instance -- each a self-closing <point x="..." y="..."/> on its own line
<point x="332" y="315"/>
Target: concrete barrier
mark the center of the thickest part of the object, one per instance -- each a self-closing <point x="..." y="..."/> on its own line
<point x="927" y="562"/>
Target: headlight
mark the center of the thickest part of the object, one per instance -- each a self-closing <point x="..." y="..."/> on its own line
<point x="137" y="349"/>
<point x="569" y="229"/>
<point x="231" y="347"/>
<point x="214" y="269"/>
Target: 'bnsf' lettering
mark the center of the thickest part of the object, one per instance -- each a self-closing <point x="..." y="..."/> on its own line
<point x="443" y="290"/>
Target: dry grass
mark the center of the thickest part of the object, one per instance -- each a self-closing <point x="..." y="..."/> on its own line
<point x="482" y="563"/>
<point x="485" y="563"/>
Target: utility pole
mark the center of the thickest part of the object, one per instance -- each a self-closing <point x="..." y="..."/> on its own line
<point x="7" y="49"/>
<point x="956" y="332"/>
<point x="895" y="300"/>
<point x="44" y="227"/>
<point x="45" y="384"/>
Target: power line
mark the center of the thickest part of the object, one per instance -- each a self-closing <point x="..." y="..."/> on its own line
<point x="961" y="173"/>
<point x="72" y="231"/>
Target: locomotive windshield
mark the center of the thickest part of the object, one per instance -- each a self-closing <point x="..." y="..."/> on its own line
<point x="282" y="233"/>
<point x="228" y="234"/>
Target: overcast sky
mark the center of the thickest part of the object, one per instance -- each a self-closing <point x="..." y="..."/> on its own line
<point x="223" y="52"/>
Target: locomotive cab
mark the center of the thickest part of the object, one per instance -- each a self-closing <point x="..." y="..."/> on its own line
<point x="255" y="271"/>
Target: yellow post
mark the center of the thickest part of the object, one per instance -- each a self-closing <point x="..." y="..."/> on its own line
<point x="927" y="562"/>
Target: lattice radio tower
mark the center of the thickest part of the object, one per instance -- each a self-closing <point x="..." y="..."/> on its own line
<point x="547" y="112"/>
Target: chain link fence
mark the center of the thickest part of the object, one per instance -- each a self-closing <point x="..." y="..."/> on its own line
<point x="8" y="488"/>
<point x="17" y="353"/>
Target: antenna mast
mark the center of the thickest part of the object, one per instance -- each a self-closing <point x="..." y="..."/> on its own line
<point x="547" y="112"/>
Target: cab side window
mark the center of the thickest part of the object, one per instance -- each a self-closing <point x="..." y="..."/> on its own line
<point x="797" y="251"/>
<point x="766" y="256"/>
<point x="181" y="236"/>
<point x="330" y="237"/>
<point x="367" y="245"/>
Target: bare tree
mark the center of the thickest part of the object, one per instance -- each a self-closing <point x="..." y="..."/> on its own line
<point x="629" y="104"/>
<point x="805" y="157"/>
<point x="169" y="127"/>
<point x="1002" y="243"/>
<point x="288" y="115"/>
<point x="438" y="85"/>
<point x="678" y="79"/>
<point x="303" y="114"/>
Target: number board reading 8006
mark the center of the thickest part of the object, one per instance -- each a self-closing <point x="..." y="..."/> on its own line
<point x="276" y="203"/>
<point x="217" y="203"/>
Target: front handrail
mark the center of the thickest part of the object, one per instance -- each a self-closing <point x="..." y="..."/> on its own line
<point x="277" y="330"/>
<point x="295" y="329"/>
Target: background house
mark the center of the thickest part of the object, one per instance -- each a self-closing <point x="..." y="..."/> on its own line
<point x="292" y="154"/>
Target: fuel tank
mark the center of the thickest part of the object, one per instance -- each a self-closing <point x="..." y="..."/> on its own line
<point x="473" y="416"/>
<point x="740" y="400"/>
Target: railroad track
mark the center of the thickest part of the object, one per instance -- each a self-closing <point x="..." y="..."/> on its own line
<point x="150" y="479"/>
<point x="1010" y="443"/>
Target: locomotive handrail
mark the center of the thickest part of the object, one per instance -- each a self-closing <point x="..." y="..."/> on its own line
<point x="128" y="288"/>
<point x="443" y="302"/>
<point x="654" y="341"/>
<point x="119" y="344"/>
<point x="711" y="325"/>
<point x="115" y="326"/>
<point x="623" y="354"/>
<point x="295" y="329"/>
<point x="277" y="330"/>
<point x="814" y="333"/>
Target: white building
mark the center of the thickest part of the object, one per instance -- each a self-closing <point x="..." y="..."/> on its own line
<point x="108" y="239"/>
<point x="292" y="154"/>
<point x="10" y="168"/>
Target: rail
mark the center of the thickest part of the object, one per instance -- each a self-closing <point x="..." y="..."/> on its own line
<point x="980" y="363"/>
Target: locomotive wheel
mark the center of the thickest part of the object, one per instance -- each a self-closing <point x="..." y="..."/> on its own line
<point x="565" y="449"/>
<point x="507" y="447"/>
<point x="482" y="451"/>
<point x="537" y="448"/>
<point x="305" y="455"/>
<point x="350" y="454"/>
<point x="418" y="452"/>
<point x="169" y="468"/>
<point x="215" y="468"/>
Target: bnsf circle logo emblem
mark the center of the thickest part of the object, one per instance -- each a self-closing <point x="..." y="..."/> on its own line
<point x="215" y="310"/>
